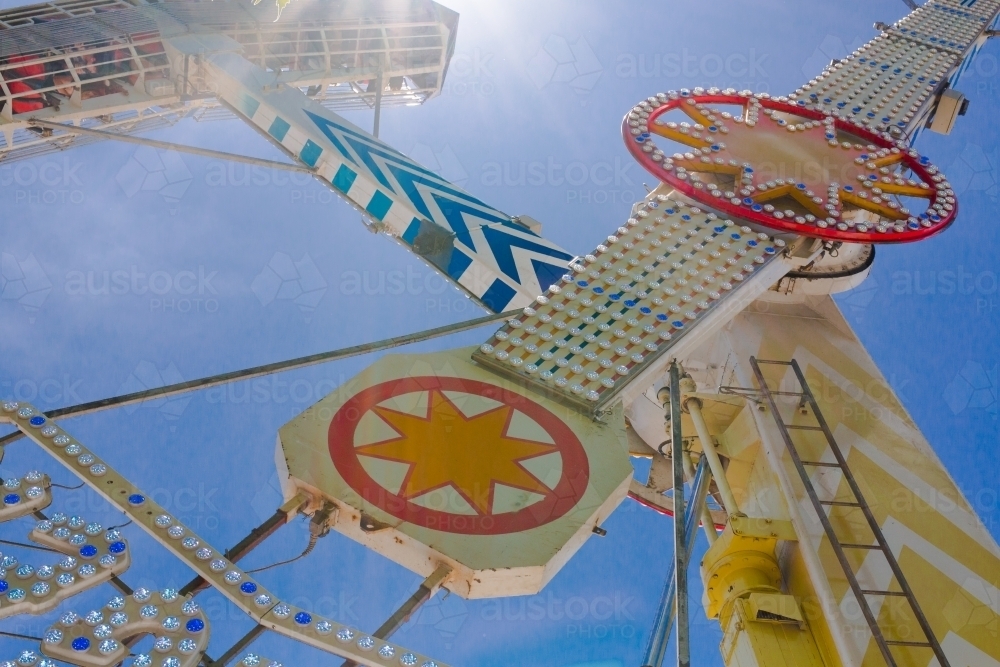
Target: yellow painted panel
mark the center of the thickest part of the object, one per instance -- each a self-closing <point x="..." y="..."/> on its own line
<point x="951" y="561"/>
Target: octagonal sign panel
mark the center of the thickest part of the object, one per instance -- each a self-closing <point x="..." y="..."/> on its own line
<point x="431" y="459"/>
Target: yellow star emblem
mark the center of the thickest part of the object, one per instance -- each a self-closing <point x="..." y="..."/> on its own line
<point x="445" y="447"/>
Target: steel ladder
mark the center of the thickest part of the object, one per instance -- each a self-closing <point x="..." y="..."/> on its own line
<point x="806" y="398"/>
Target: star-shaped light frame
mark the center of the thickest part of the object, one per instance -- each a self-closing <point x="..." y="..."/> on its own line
<point x="445" y="448"/>
<point x="725" y="146"/>
<point x="568" y="492"/>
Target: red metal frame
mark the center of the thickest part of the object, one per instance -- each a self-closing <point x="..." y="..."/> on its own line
<point x="743" y="212"/>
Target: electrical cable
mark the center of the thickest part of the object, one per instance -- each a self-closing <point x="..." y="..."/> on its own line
<point x="313" y="538"/>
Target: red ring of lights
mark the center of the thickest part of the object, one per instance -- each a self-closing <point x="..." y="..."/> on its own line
<point x="743" y="212"/>
<point x="563" y="498"/>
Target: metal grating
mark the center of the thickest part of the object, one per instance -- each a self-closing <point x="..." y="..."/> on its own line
<point x="89" y="59"/>
<point x="891" y="82"/>
<point x="76" y="31"/>
<point x="628" y="303"/>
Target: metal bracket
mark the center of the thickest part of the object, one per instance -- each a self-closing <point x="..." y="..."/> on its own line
<point x="748" y="393"/>
<point x="757" y="396"/>
<point x="745" y="526"/>
<point x="370" y="524"/>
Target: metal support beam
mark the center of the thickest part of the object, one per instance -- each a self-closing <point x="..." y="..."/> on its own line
<point x="680" y="543"/>
<point x="693" y="406"/>
<point x="379" y="85"/>
<point x="282" y="516"/>
<point x="198" y="584"/>
<point x="706" y="515"/>
<point x="426" y="591"/>
<point x="17" y="635"/>
<point x="266" y="369"/>
<point x="660" y="635"/>
<point x="169" y="146"/>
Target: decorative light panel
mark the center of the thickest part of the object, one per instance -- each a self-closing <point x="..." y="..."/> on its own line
<point x="789" y="166"/>
<point x="229" y="580"/>
<point x="92" y="556"/>
<point x="884" y="85"/>
<point x="890" y="82"/>
<point x="625" y="304"/>
<point x="938" y="25"/>
<point x="24" y="495"/>
<point x="97" y="638"/>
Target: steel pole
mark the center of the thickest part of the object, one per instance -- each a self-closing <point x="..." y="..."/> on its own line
<point x="663" y="624"/>
<point x="706" y="514"/>
<point x="379" y="85"/>
<point x="259" y="371"/>
<point x="680" y="543"/>
<point x="426" y="591"/>
<point x="693" y="406"/>
<point x="168" y="146"/>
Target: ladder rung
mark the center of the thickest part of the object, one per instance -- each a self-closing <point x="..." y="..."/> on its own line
<point x="896" y="642"/>
<point x="807" y="397"/>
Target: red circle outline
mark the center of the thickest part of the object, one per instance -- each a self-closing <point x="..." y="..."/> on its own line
<point x="742" y="212"/>
<point x="565" y="496"/>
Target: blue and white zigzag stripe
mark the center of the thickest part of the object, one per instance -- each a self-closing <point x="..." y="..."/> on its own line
<point x="499" y="263"/>
<point x="524" y="263"/>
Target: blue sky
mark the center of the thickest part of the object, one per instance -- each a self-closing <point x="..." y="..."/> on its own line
<point x="535" y="88"/>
